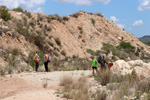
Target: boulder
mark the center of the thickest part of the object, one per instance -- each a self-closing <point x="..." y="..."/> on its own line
<point x="121" y="67"/>
<point x="135" y="63"/>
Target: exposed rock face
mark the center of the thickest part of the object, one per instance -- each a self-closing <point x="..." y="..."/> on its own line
<point x="137" y="68"/>
<point x="28" y="32"/>
<point x="75" y="34"/>
<point x="121" y="67"/>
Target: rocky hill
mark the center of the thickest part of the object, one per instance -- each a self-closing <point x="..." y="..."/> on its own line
<point x="22" y="32"/>
<point x="145" y="38"/>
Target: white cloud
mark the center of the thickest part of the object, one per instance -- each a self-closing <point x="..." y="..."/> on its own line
<point x="25" y="4"/>
<point x="83" y="2"/>
<point x="144" y="5"/>
<point x="39" y="10"/>
<point x="138" y="23"/>
<point x="121" y="26"/>
<point x="114" y="19"/>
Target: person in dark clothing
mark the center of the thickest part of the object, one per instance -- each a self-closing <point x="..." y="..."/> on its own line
<point x="46" y="61"/>
<point x="101" y="62"/>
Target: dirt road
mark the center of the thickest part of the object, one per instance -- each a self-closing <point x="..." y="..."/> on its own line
<point x="30" y="86"/>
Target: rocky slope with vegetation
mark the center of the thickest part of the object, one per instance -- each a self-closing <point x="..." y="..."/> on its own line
<point x="76" y="36"/>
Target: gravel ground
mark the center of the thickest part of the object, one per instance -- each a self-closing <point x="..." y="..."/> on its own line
<point x="29" y="86"/>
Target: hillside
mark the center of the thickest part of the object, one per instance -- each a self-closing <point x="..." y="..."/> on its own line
<point x="70" y="36"/>
<point x="145" y="38"/>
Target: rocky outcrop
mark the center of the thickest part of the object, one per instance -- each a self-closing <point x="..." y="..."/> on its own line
<point x="136" y="67"/>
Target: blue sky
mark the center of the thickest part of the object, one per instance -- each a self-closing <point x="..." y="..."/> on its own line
<point x="132" y="15"/>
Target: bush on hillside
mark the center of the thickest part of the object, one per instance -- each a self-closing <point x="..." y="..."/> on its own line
<point x="63" y="53"/>
<point x="3" y="7"/>
<point x="28" y="14"/>
<point x="92" y="52"/>
<point x="99" y="14"/>
<point x="125" y="45"/>
<point x="4" y="14"/>
<point x="54" y="17"/>
<point x="25" y="21"/>
<point x="15" y="51"/>
<point x="19" y="9"/>
<point x="65" y="18"/>
<point x="107" y="47"/>
<point x="76" y="15"/>
<point x="39" y="41"/>
<point x="93" y="21"/>
<point x="51" y="44"/>
<point x="57" y="40"/>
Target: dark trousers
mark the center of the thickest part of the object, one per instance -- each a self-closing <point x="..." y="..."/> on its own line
<point x="37" y="66"/>
<point x="46" y="66"/>
<point x="103" y="66"/>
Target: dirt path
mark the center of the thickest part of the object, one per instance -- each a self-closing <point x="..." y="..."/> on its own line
<point x="30" y="86"/>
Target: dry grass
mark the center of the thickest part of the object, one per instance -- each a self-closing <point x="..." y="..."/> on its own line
<point x="122" y="86"/>
<point x="75" y="89"/>
<point x="99" y="95"/>
<point x="45" y="83"/>
<point x="104" y="77"/>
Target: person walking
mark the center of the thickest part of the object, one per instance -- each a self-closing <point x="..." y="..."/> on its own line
<point x="37" y="58"/>
<point x="46" y="60"/>
<point x="107" y="61"/>
<point x="94" y="64"/>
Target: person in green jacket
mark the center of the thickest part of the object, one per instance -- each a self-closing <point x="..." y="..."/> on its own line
<point x="94" y="64"/>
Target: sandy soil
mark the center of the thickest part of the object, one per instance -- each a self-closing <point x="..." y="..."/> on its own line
<point x="29" y="86"/>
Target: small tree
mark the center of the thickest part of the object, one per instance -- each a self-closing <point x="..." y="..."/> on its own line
<point x="19" y="9"/>
<point x="4" y="14"/>
<point x="125" y="45"/>
<point x="57" y="40"/>
<point x="93" y="21"/>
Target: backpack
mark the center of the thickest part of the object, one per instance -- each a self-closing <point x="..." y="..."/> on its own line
<point x="49" y="59"/>
<point x="99" y="59"/>
<point x="34" y="58"/>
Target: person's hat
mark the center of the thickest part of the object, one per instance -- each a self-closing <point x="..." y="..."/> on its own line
<point x="37" y="51"/>
<point x="106" y="52"/>
<point x="92" y="57"/>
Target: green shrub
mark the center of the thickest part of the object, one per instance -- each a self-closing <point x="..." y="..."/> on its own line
<point x="56" y="54"/>
<point x="51" y="44"/>
<point x="4" y="14"/>
<point x="93" y="21"/>
<point x="65" y="18"/>
<point x="28" y="14"/>
<point x="54" y="17"/>
<point x="25" y="20"/>
<point x="57" y="40"/>
<point x="91" y="52"/>
<point x="39" y="41"/>
<point x="3" y="7"/>
<point x="125" y="45"/>
<point x="23" y="31"/>
<point x="63" y="53"/>
<point x="31" y="23"/>
<point x="49" y="29"/>
<point x="107" y="47"/>
<point x="19" y="9"/>
<point x="15" y="52"/>
<point x="99" y="14"/>
<point x="76" y="15"/>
